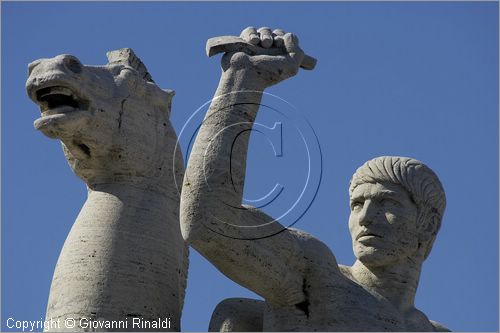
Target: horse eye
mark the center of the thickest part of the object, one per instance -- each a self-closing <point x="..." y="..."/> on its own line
<point x="73" y="64"/>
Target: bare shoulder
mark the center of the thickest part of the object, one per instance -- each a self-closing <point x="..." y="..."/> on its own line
<point x="315" y="251"/>
<point x="438" y="327"/>
<point x="416" y="320"/>
<point x="346" y="271"/>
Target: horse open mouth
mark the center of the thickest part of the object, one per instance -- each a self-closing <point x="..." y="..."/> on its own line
<point x="59" y="99"/>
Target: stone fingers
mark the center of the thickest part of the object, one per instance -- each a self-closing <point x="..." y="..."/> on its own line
<point x="278" y="37"/>
<point x="250" y="35"/>
<point x="291" y="44"/>
<point x="264" y="37"/>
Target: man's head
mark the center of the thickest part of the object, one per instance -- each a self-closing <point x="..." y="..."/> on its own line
<point x="397" y="204"/>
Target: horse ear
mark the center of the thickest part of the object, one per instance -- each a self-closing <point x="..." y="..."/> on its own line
<point x="167" y="95"/>
<point x="170" y="93"/>
<point x="127" y="57"/>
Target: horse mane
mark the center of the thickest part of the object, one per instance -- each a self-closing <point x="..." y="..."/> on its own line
<point x="127" y="57"/>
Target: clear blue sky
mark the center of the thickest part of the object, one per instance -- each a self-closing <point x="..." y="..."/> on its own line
<point x="411" y="79"/>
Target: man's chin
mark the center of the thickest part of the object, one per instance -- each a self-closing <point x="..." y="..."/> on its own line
<point x="62" y="124"/>
<point x="372" y="257"/>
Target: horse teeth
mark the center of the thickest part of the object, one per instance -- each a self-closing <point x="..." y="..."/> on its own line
<point x="61" y="91"/>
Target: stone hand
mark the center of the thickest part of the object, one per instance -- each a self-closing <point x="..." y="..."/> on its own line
<point x="268" y="57"/>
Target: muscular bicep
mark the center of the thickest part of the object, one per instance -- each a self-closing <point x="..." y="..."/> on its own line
<point x="257" y="253"/>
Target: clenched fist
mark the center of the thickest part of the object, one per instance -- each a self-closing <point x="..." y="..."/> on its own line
<point x="276" y="56"/>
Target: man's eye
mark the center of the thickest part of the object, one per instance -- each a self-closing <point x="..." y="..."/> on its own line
<point x="356" y="205"/>
<point x="389" y="202"/>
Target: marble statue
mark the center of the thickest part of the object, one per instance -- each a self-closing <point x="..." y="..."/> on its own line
<point x="397" y="204"/>
<point x="124" y="257"/>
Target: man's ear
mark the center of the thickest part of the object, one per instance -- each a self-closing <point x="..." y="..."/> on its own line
<point x="428" y="229"/>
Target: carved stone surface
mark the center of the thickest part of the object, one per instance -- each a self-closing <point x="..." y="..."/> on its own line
<point x="397" y="204"/>
<point x="124" y="257"/>
<point x="237" y="315"/>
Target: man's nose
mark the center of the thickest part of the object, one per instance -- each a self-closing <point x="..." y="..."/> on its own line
<point x="368" y="213"/>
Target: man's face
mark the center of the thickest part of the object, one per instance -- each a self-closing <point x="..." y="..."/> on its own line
<point x="383" y="223"/>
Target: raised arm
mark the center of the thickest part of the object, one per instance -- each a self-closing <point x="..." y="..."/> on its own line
<point x="213" y="220"/>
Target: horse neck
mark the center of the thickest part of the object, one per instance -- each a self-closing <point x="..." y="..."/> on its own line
<point x="119" y="202"/>
<point x="124" y="255"/>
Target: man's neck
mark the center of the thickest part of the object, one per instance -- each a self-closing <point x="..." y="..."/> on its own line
<point x="397" y="282"/>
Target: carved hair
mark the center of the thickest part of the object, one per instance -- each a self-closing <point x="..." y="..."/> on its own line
<point x="127" y="57"/>
<point x="421" y="183"/>
<point x="162" y="98"/>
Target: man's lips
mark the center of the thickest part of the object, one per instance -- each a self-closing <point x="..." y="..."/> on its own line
<point x="367" y="233"/>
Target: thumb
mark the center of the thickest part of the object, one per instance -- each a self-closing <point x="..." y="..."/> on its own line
<point x="291" y="43"/>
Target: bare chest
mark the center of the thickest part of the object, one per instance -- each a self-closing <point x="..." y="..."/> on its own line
<point x="340" y="306"/>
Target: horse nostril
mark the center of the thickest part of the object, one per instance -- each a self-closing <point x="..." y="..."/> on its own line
<point x="32" y="66"/>
<point x="73" y="64"/>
